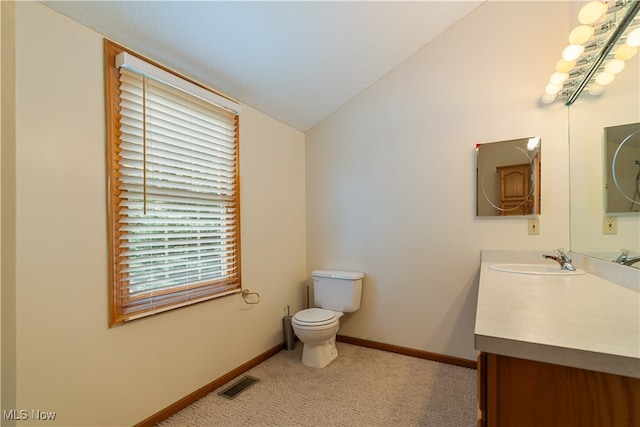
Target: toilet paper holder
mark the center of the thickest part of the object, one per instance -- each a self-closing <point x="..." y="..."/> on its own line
<point x="247" y="294"/>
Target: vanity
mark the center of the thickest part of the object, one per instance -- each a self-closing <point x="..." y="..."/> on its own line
<point x="564" y="349"/>
<point x="557" y="349"/>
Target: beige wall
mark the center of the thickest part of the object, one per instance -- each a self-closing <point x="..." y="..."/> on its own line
<point x="7" y="211"/>
<point x="391" y="175"/>
<point x="68" y="360"/>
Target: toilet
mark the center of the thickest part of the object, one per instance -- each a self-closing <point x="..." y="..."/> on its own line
<point x="334" y="293"/>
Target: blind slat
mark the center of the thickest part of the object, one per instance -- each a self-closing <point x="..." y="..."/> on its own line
<point x="218" y="243"/>
<point x="133" y="191"/>
<point x="146" y="255"/>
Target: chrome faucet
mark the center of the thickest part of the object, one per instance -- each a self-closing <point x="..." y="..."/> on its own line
<point x="625" y="259"/>
<point x="562" y="259"/>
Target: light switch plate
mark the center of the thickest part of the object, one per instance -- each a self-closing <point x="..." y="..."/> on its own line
<point x="610" y="225"/>
<point x="533" y="226"/>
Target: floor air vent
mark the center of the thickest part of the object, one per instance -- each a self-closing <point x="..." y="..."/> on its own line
<point x="238" y="387"/>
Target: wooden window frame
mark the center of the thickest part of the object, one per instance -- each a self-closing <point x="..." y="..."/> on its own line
<point x="112" y="97"/>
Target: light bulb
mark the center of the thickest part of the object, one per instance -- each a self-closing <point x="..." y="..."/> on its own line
<point x="625" y="52"/>
<point x="595" y="89"/>
<point x="552" y="89"/>
<point x="633" y="39"/>
<point x="558" y="78"/>
<point x="580" y="34"/>
<point x="572" y="52"/>
<point x="548" y="98"/>
<point x="614" y="66"/>
<point x="604" y="78"/>
<point x="563" y="66"/>
<point x="591" y="12"/>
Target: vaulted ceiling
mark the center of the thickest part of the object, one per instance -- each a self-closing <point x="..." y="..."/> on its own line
<point x="297" y="61"/>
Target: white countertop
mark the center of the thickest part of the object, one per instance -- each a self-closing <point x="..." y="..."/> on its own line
<point x="582" y="321"/>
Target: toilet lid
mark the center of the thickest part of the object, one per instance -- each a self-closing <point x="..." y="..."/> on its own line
<point x="314" y="316"/>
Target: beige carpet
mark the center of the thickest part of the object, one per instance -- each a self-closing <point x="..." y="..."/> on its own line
<point x="362" y="387"/>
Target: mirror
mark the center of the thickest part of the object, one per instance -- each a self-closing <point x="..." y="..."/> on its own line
<point x="589" y="118"/>
<point x="508" y="177"/>
<point x="622" y="163"/>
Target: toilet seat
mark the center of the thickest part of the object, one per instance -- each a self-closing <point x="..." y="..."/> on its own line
<point x="314" y="317"/>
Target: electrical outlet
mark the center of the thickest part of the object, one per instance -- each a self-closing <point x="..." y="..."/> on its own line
<point x="610" y="225"/>
<point x="533" y="226"/>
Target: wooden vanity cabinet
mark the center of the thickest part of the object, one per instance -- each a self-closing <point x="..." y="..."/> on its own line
<point x="522" y="393"/>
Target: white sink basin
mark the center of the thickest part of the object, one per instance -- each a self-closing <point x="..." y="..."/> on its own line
<point x="543" y="269"/>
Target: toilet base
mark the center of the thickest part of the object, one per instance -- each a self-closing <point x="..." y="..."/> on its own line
<point x="319" y="355"/>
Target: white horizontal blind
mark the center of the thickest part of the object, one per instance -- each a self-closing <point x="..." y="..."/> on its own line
<point x="177" y="195"/>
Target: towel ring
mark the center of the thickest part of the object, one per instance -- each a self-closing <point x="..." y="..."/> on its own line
<point x="246" y="294"/>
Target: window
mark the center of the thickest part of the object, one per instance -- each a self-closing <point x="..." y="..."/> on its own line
<point x="173" y="189"/>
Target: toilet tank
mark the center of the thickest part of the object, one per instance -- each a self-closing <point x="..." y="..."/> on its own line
<point x="337" y="290"/>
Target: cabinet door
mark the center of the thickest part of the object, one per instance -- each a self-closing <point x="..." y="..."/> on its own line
<point x="527" y="393"/>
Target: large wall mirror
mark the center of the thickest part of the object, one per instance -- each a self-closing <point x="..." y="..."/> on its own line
<point x="593" y="120"/>
<point x="508" y="177"/>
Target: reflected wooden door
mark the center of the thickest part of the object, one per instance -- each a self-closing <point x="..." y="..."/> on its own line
<point x="515" y="188"/>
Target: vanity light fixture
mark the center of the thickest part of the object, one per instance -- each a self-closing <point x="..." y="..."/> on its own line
<point x="614" y="66"/>
<point x="633" y="39"/>
<point x="592" y="12"/>
<point x="608" y="35"/>
<point x="572" y="52"/>
<point x="533" y="143"/>
<point x="581" y="34"/>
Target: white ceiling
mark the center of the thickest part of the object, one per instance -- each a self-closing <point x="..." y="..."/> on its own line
<point x="297" y="61"/>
